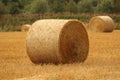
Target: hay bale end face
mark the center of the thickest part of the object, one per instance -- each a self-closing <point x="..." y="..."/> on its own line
<point x="25" y="27"/>
<point x="101" y="24"/>
<point x="57" y="41"/>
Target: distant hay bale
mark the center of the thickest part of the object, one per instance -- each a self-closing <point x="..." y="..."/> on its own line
<point x="101" y="24"/>
<point x="25" y="28"/>
<point x="57" y="41"/>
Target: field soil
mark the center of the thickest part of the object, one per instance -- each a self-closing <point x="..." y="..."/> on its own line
<point x="103" y="62"/>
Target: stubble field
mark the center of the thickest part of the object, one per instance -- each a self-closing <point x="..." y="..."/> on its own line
<point x="103" y="62"/>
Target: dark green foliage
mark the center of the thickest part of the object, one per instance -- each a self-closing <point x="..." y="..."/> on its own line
<point x="85" y="6"/>
<point x="13" y="8"/>
<point x="76" y="1"/>
<point x="95" y="2"/>
<point x="58" y="6"/>
<point x="14" y="22"/>
<point x="5" y="1"/>
<point x="3" y="9"/>
<point x="72" y="7"/>
<point x="39" y="6"/>
<point x="116" y="6"/>
<point x="60" y="9"/>
<point x="105" y="6"/>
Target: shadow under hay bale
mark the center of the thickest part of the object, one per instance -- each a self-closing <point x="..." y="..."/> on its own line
<point x="57" y="41"/>
<point x="101" y="24"/>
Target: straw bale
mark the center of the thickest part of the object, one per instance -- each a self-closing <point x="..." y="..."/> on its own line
<point x="57" y="41"/>
<point x="101" y="24"/>
<point x="25" y="27"/>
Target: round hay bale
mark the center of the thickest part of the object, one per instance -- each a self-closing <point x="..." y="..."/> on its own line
<point x="101" y="24"/>
<point x="85" y="25"/>
<point x="25" y="27"/>
<point x="57" y="41"/>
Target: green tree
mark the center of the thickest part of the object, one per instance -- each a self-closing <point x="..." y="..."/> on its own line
<point x="23" y="3"/>
<point x="5" y="1"/>
<point x="13" y="8"/>
<point x="77" y="1"/>
<point x="39" y="6"/>
<point x="116" y="6"/>
<point x="105" y="6"/>
<point x="85" y="6"/>
<point x="72" y="7"/>
<point x="58" y="6"/>
<point x="95" y="2"/>
<point x="25" y="6"/>
<point x="3" y="9"/>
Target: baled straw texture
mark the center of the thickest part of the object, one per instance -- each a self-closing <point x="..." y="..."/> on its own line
<point x="25" y="27"/>
<point x="101" y="24"/>
<point x="57" y="41"/>
<point x="85" y="25"/>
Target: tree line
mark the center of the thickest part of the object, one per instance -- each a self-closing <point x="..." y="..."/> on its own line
<point x="58" y="6"/>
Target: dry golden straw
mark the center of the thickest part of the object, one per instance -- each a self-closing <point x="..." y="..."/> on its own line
<point x="85" y="25"/>
<point x="57" y="41"/>
<point x="25" y="27"/>
<point x="101" y="24"/>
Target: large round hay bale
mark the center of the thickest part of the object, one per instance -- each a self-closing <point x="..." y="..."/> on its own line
<point x="25" y="27"/>
<point x="85" y="25"/>
<point x="57" y="41"/>
<point x="101" y="24"/>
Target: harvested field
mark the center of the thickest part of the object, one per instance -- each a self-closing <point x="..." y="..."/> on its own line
<point x="103" y="62"/>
